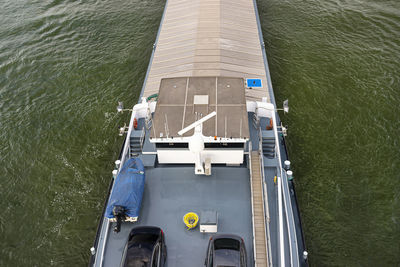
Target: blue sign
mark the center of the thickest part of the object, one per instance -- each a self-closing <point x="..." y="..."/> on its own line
<point x="254" y="82"/>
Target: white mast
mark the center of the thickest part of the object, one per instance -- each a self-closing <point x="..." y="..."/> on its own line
<point x="196" y="142"/>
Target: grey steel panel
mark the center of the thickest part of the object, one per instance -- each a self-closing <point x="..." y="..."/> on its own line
<point x="176" y="109"/>
<point x="170" y="192"/>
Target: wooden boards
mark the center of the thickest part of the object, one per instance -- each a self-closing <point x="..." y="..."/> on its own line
<point x="208" y="38"/>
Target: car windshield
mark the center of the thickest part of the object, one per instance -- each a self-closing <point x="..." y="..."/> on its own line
<point x="226" y="243"/>
<point x="140" y="250"/>
<point x="227" y="257"/>
<point x="143" y="238"/>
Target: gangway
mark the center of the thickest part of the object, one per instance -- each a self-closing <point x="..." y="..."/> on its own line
<point x="257" y="200"/>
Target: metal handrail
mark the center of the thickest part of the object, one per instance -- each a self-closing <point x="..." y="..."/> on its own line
<point x="142" y="137"/>
<point x="278" y="154"/>
<point x="123" y="158"/>
<point x="283" y="203"/>
<point x="279" y="184"/>
<point x="267" y="237"/>
<point x="252" y="205"/>
<point x="286" y="203"/>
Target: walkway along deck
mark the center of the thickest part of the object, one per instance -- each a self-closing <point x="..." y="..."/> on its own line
<point x="257" y="200"/>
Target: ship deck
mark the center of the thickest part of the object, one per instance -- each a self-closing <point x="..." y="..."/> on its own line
<point x="170" y="192"/>
<point x="211" y="38"/>
<point x="199" y="38"/>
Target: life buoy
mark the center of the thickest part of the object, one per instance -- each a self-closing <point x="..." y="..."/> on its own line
<point x="135" y="123"/>
<point x="270" y="126"/>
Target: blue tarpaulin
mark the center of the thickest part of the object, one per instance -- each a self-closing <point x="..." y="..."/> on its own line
<point x="128" y="189"/>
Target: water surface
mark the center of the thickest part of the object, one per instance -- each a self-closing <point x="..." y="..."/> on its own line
<point x="338" y="64"/>
<point x="65" y="64"/>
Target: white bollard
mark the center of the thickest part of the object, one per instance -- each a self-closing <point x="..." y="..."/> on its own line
<point x="289" y="175"/>
<point x="287" y="165"/>
<point x="114" y="173"/>
<point x="117" y="163"/>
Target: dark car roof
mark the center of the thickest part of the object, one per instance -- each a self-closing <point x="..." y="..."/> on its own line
<point x="140" y="245"/>
<point x="138" y="257"/>
<point x="231" y="236"/>
<point x="226" y="257"/>
<point x="145" y="230"/>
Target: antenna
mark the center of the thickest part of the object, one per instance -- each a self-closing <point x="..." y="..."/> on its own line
<point x="166" y="125"/>
<point x="286" y="106"/>
<point x="120" y="107"/>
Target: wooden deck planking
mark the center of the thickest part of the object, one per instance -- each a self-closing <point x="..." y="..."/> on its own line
<point x="208" y="38"/>
<point x="261" y="258"/>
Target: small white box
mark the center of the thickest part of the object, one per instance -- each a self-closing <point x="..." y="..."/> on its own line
<point x="200" y="100"/>
<point x="208" y="222"/>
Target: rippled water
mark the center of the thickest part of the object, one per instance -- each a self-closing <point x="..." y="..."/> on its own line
<point x="64" y="64"/>
<point x="338" y="63"/>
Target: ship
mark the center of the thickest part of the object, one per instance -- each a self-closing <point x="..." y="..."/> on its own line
<point x="203" y="177"/>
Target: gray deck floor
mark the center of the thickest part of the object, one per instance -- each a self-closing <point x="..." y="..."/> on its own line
<point x="170" y="192"/>
<point x="177" y="108"/>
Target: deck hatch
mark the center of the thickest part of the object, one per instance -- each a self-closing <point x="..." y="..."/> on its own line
<point x="184" y="100"/>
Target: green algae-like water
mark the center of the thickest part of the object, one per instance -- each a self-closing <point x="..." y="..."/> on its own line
<point x="65" y="64"/>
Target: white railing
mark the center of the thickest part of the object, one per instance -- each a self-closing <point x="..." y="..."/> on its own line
<point x="126" y="151"/>
<point x="266" y="218"/>
<point x="279" y="183"/>
<point x="287" y="204"/>
<point x="142" y="134"/>
<point x="286" y="199"/>
<point x="283" y="201"/>
<point x="264" y="195"/>
<point x="252" y="204"/>
<point x="124" y="156"/>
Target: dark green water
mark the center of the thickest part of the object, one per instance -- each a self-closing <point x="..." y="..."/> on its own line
<point x="64" y="64"/>
<point x="338" y="62"/>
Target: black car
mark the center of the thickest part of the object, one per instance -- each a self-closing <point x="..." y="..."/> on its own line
<point x="226" y="250"/>
<point x="145" y="248"/>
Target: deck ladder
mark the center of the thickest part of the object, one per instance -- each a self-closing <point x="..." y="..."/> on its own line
<point x="261" y="258"/>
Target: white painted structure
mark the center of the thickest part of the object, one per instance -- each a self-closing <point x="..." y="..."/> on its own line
<point x="196" y="152"/>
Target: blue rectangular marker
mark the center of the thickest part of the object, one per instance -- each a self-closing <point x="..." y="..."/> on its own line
<point x="254" y="82"/>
